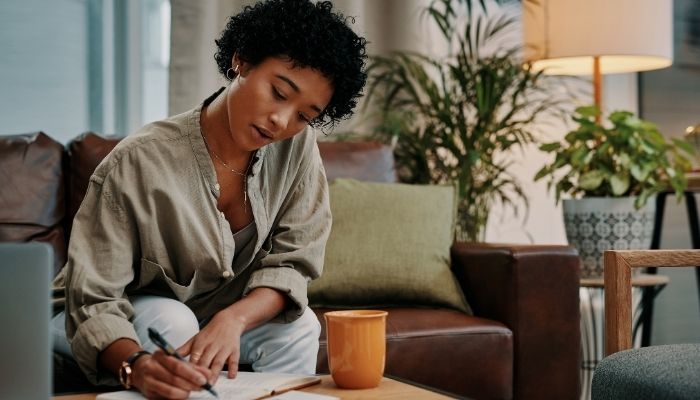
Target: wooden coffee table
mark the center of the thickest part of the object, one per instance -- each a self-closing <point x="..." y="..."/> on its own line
<point x="388" y="389"/>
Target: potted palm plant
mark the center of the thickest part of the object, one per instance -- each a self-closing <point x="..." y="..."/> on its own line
<point x="611" y="172"/>
<point x="456" y="119"/>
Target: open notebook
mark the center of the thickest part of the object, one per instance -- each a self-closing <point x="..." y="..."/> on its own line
<point x="246" y="386"/>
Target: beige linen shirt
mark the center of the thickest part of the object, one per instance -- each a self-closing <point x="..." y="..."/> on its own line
<point x="149" y="224"/>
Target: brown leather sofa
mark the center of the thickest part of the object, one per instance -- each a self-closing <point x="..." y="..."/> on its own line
<point x="523" y="341"/>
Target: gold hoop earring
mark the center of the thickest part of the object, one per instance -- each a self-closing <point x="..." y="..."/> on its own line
<point x="231" y="73"/>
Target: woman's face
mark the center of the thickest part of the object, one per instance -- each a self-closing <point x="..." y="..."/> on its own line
<point x="273" y="101"/>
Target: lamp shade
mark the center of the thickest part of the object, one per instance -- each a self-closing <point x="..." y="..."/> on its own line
<point x="563" y="36"/>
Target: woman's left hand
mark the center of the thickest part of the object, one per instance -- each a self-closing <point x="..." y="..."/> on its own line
<point x="218" y="343"/>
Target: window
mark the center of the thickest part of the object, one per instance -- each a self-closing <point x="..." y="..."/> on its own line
<point x="140" y="57"/>
<point x="98" y="65"/>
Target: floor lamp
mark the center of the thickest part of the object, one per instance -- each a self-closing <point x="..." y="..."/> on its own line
<point x="595" y="37"/>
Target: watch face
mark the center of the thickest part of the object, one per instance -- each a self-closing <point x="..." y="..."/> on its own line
<point x="125" y="375"/>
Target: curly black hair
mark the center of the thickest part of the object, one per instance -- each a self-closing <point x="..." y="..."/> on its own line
<point x="310" y="35"/>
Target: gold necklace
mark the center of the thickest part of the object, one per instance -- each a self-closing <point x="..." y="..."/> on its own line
<point x="244" y="175"/>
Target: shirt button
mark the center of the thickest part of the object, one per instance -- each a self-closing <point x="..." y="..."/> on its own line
<point x="226" y="274"/>
<point x="217" y="187"/>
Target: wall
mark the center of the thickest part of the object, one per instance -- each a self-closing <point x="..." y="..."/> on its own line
<point x="193" y="72"/>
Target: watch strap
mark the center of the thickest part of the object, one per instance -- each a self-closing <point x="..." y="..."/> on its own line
<point x="132" y="358"/>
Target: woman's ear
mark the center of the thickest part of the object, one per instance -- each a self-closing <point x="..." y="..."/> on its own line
<point x="239" y="65"/>
<point x="243" y="68"/>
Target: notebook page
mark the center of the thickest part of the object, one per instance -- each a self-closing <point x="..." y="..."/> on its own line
<point x="246" y="386"/>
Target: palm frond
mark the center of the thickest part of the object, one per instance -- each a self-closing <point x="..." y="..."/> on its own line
<point x="453" y="119"/>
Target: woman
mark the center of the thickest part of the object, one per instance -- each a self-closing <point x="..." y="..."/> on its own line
<point x="216" y="218"/>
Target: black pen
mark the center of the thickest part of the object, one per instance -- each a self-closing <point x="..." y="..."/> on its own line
<point x="169" y="350"/>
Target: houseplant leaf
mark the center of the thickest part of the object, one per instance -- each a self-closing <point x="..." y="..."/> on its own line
<point x="591" y="180"/>
<point x="684" y="145"/>
<point x="620" y="182"/>
<point x="629" y="156"/>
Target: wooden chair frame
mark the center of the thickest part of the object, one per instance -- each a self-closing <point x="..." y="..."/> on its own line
<point x="618" y="288"/>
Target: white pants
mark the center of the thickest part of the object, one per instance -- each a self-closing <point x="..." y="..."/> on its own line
<point x="271" y="347"/>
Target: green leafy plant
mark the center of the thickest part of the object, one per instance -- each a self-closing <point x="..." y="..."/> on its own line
<point x="627" y="158"/>
<point x="456" y="119"/>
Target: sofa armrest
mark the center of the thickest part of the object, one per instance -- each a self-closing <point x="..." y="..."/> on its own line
<point x="534" y="290"/>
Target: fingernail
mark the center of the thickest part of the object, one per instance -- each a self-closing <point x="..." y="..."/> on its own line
<point x="202" y="380"/>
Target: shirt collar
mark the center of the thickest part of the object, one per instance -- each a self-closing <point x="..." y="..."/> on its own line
<point x="200" y="149"/>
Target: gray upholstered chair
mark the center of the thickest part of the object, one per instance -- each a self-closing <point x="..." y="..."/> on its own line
<point x="656" y="372"/>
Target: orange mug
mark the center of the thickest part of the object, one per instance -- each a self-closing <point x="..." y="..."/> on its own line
<point x="356" y="347"/>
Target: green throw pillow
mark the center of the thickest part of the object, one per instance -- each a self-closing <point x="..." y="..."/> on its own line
<point x="389" y="245"/>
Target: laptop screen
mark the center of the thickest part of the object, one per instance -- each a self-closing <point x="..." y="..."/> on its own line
<point x="25" y="343"/>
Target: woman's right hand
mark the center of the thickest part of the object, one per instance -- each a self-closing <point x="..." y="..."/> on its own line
<point x="159" y="376"/>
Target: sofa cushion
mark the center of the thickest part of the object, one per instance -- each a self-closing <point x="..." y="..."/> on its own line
<point x="389" y="245"/>
<point x="32" y="202"/>
<point x="443" y="348"/>
<point x="85" y="154"/>
<point x="365" y="161"/>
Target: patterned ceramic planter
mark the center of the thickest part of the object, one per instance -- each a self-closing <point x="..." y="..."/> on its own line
<point x="596" y="224"/>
